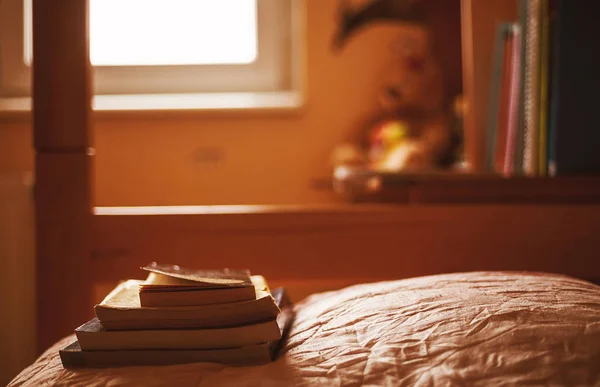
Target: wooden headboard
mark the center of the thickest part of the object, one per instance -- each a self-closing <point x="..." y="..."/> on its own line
<point x="82" y="250"/>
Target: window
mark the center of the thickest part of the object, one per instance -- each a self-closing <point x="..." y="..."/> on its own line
<point x="167" y="46"/>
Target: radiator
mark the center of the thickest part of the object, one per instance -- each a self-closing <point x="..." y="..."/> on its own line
<point x="17" y="275"/>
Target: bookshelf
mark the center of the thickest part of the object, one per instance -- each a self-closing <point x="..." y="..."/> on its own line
<point x="467" y="189"/>
<point x="477" y="34"/>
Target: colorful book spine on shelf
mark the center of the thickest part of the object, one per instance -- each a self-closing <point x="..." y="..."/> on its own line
<point x="504" y="99"/>
<point x="520" y="136"/>
<point x="543" y="102"/>
<point x="553" y="84"/>
<point x="531" y="86"/>
<point x="513" y="101"/>
<point x="543" y="87"/>
<point x="496" y="79"/>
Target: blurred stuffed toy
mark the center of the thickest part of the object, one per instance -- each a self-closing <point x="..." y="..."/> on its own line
<point x="413" y="129"/>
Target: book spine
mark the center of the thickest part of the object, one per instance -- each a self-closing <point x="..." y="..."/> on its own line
<point x="513" y="102"/>
<point x="520" y="136"/>
<point x="543" y="109"/>
<point x="554" y="72"/>
<point x="531" y="101"/>
<point x="497" y="66"/>
<point x="504" y="96"/>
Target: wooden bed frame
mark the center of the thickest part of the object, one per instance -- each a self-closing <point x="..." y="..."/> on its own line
<point x="83" y="250"/>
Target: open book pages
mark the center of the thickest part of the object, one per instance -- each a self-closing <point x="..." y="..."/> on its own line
<point x="165" y="290"/>
<point x="165" y="276"/>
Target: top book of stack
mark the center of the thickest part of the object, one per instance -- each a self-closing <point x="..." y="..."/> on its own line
<point x="205" y="299"/>
<point x="171" y="285"/>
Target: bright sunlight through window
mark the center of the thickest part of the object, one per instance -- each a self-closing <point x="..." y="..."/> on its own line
<point x="168" y="32"/>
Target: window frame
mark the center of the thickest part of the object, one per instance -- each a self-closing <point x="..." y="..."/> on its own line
<point x="273" y="71"/>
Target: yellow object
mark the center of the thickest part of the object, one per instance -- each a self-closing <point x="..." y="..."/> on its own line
<point x="392" y="133"/>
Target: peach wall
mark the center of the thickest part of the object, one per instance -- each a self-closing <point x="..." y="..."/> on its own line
<point x="17" y="258"/>
<point x="268" y="158"/>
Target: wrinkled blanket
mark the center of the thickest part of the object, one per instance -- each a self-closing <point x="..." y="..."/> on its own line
<point x="476" y="329"/>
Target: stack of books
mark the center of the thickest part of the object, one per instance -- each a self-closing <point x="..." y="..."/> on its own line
<point x="177" y="315"/>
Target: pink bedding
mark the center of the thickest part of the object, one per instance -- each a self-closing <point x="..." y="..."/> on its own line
<point x="477" y="329"/>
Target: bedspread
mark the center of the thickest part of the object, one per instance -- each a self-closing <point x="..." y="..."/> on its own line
<point x="477" y="329"/>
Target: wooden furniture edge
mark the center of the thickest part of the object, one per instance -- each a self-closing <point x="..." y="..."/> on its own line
<point x="446" y="187"/>
<point x="407" y="241"/>
<point x="63" y="166"/>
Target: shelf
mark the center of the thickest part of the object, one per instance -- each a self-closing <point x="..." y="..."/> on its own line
<point x="360" y="185"/>
<point x="541" y="190"/>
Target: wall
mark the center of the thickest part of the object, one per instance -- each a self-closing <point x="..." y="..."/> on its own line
<point x="17" y="300"/>
<point x="149" y="160"/>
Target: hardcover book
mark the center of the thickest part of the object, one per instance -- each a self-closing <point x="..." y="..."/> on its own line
<point x="92" y="336"/>
<point x="122" y="310"/>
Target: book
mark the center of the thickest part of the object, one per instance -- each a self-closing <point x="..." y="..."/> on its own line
<point x="513" y="102"/>
<point x="504" y="97"/>
<point x="172" y="285"/>
<point x="504" y="105"/>
<point x="518" y="161"/>
<point x="575" y="75"/>
<point x="73" y="356"/>
<point x="495" y="92"/>
<point x="93" y="337"/>
<point x="553" y="86"/>
<point x="531" y="101"/>
<point x="209" y="279"/>
<point x="121" y="310"/>
<point x="543" y="93"/>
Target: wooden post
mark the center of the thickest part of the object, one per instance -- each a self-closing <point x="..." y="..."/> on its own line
<point x="63" y="165"/>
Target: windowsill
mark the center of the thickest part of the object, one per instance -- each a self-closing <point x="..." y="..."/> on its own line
<point x="285" y="101"/>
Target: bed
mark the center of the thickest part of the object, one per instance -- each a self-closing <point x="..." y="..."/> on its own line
<point x="476" y="329"/>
